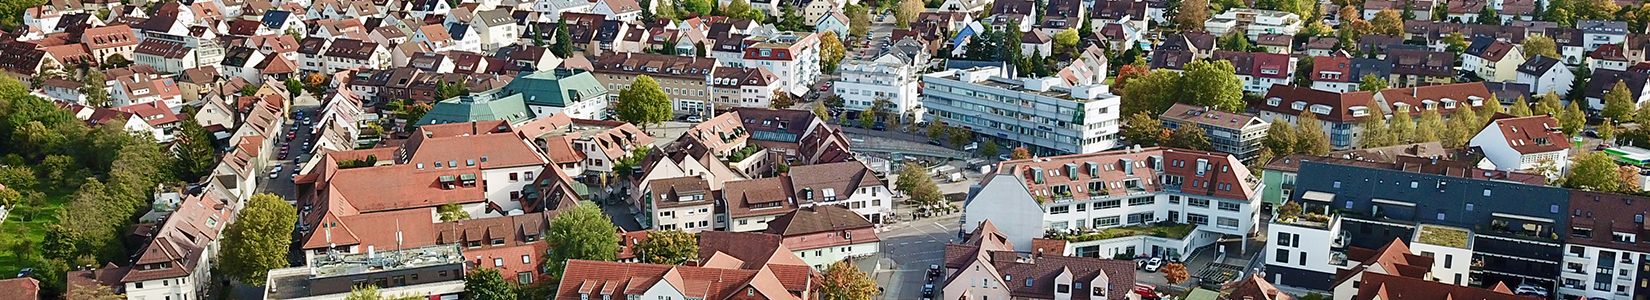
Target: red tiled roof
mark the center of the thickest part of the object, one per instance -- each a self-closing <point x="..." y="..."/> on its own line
<point x="1225" y="176"/>
<point x="108" y="37"/>
<point x="156" y="113"/>
<point x="1383" y="286"/>
<point x="1533" y="134"/>
<point x="1340" y="104"/>
<point x="25" y="288"/>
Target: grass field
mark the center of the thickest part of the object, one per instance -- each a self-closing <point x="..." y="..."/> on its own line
<point x="20" y="224"/>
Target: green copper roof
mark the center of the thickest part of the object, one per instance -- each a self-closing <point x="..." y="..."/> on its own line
<point x="557" y="88"/>
<point x="484" y="106"/>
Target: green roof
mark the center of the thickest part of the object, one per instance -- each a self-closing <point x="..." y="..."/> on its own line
<point x="581" y="189"/>
<point x="484" y="106"/>
<point x="557" y="88"/>
<point x="1202" y="294"/>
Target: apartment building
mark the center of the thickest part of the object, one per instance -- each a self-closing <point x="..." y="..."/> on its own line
<point x="1603" y="256"/>
<point x="1524" y="143"/>
<point x="1398" y="271"/>
<point x="987" y="266"/>
<point x="745" y="87"/>
<point x="574" y="92"/>
<point x="1199" y="196"/>
<point x="1479" y="232"/>
<point x="1344" y="75"/>
<point x="429" y="271"/>
<point x="861" y="84"/>
<point x="1334" y="110"/>
<point x="794" y="58"/>
<point x="683" y="78"/>
<point x="1041" y="114"/>
<point x="1254" y="22"/>
<point x="1491" y="59"/>
<point x="1235" y="133"/>
<point x="849" y="184"/>
<point x="681" y="203"/>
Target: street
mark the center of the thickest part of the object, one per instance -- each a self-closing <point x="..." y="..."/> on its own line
<point x="282" y="184"/>
<point x="908" y="249"/>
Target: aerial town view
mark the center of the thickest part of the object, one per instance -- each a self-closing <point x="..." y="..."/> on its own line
<point x="824" y="149"/>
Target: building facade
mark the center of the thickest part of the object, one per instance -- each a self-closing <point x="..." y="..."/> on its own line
<point x="1042" y="114"/>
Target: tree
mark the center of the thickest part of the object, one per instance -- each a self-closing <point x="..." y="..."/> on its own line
<point x="116" y="61"/>
<point x="316" y="84"/>
<point x="249" y="90"/>
<point x="449" y="91"/>
<point x="701" y="7"/>
<point x="643" y="103"/>
<point x="1488" y="16"/>
<point x="781" y="100"/>
<point x="859" y="21"/>
<point x="1021" y="153"/>
<point x="831" y="51"/>
<point x="1594" y="171"/>
<point x="370" y="292"/>
<point x="1189" y="136"/>
<point x="1125" y="73"/>
<point x="1152" y="94"/>
<point x="487" y="284"/>
<point x="1629" y="178"/>
<point x="1618" y="103"/>
<point x="1492" y="106"/>
<point x="563" y="46"/>
<point x="1174" y="273"/>
<point x="907" y="12"/>
<point x="1427" y="129"/>
<point x="909" y="175"/>
<point x="583" y="232"/>
<point x="1387" y="22"/>
<point x="258" y="240"/>
<point x="1066" y="42"/>
<point x="294" y="87"/>
<point x="1520" y="108"/>
<point x="845" y="282"/>
<point x="958" y="136"/>
<point x="790" y="19"/>
<point x="452" y="211"/>
<point x="1372" y="83"/>
<point x="1212" y="83"/>
<point x="821" y="112"/>
<point x="1540" y="45"/>
<point x="1376" y="133"/>
<point x="92" y="87"/>
<point x="1303" y="64"/>
<point x="196" y="155"/>
<point x="1236" y="41"/>
<point x="927" y="194"/>
<point x="668" y="247"/>
<point x="990" y="148"/>
<point x="1291" y="209"/>
<point x="1309" y="136"/>
<point x="1607" y="131"/>
<point x="1143" y="130"/>
<point x="737" y="9"/>
<point x="1549" y="105"/>
<point x="1573" y="119"/>
<point x="868" y="117"/>
<point x="1642" y="115"/>
<point x="1461" y="127"/>
<point x="1191" y="15"/>
<point x="1455" y="43"/>
<point x="1280" y="138"/>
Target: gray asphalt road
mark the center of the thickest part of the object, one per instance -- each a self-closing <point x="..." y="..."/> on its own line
<point x="282" y="184"/>
<point x="912" y="247"/>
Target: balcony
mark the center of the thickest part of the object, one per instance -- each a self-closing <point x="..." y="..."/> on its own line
<point x="1338" y="258"/>
<point x="1308" y="220"/>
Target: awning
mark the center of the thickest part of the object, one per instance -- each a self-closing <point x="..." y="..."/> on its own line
<point x="1318" y="196"/>
<point x="1391" y="202"/>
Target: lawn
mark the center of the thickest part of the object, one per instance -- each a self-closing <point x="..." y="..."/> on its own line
<point x="1443" y="236"/>
<point x="18" y="222"/>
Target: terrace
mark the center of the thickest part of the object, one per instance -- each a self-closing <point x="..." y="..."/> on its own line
<point x="1444" y="236"/>
<point x="1162" y="229"/>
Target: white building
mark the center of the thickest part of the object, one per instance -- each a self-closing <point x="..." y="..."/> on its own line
<point x="1546" y="74"/>
<point x="681" y="203"/>
<point x="497" y="29"/>
<point x="847" y="184"/>
<point x="1201" y="196"/>
<point x="861" y="84"/>
<point x="1254" y="22"/>
<point x="823" y="235"/>
<point x="1601" y="261"/>
<point x="1045" y="119"/>
<point x="795" y="59"/>
<point x="1523" y="143"/>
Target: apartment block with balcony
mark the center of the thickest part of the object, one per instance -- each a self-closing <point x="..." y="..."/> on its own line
<point x="1254" y="22"/>
<point x="1603" y="256"/>
<point x="682" y="203"/>
<point x="863" y="83"/>
<point x="1228" y="132"/>
<point x="1502" y="231"/>
<point x="1042" y="114"/>
<point x="1109" y="203"/>
<point x="1336" y="111"/>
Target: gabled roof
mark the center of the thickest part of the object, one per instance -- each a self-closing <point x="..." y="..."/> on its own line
<point x="1488" y="48"/>
<point x="818" y="219"/>
<point x="1340" y="104"/>
<point x="1538" y="65"/>
<point x="1532" y="135"/>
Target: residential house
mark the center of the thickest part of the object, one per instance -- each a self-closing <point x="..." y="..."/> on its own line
<point x="681" y="77"/>
<point x="1276" y="43"/>
<point x="1323" y="46"/>
<point x="1524" y="143"/>
<point x="1421" y="67"/>
<point x="1546" y="75"/>
<point x="1254" y="22"/>
<point x="350" y="54"/>
<point x="744" y="87"/>
<point x="1345" y="75"/>
<point x="496" y="29"/>
<point x="176" y="259"/>
<point x="829" y="233"/>
<point x="511" y="244"/>
<point x="107" y="41"/>
<point x="1571" y="44"/>
<point x="1596" y="32"/>
<point x="1339" y="113"/>
<point x="1492" y="60"/>
<point x="1595" y="245"/>
<point x="169" y="57"/>
<point x="1604" y="80"/>
<point x="576" y="93"/>
<point x="987" y="266"/>
<point x="681" y="203"/>
<point x="1130" y="12"/>
<point x="1607" y="56"/>
<point x="834" y="22"/>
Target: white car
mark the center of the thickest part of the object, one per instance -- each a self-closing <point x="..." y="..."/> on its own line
<point x="1154" y="264"/>
<point x="275" y="172"/>
<point x="1530" y="290"/>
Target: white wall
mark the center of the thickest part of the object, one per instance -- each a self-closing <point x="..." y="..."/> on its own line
<point x="1460" y="261"/>
<point x="822" y="258"/>
<point x="499" y="184"/>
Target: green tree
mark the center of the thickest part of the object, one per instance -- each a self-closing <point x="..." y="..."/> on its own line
<point x="1152" y="94"/>
<point x="907" y="12"/>
<point x="1573" y="119"/>
<point x="116" y="61"/>
<point x="452" y="211"/>
<point x="831" y="51"/>
<point x="927" y="194"/>
<point x="448" y="91"/>
<point x="1189" y="136"/>
<point x="643" y="103"/>
<point x="1235" y="41"/>
<point x="1540" y="45"/>
<point x="1492" y="106"/>
<point x="258" y="240"/>
<point x="781" y="100"/>
<point x="1607" y="131"/>
<point x="370" y="292"/>
<point x="294" y="87"/>
<point x="1191" y="14"/>
<point x="1440" y="12"/>
<point x="1520" y="108"/>
<point x="1549" y="105"/>
<point x="196" y="155"/>
<point x="990" y="148"/>
<point x="1376" y="133"/>
<point x="1455" y="43"/>
<point x="846" y="282"/>
<point x="821" y="112"/>
<point x="1594" y="171"/>
<point x="1372" y="83"/>
<point x="1402" y="126"/>
<point x="249" y="90"/>
<point x="867" y="118"/>
<point x="563" y="46"/>
<point x="583" y="232"/>
<point x="1309" y="135"/>
<point x="92" y="87"/>
<point x="1428" y="128"/>
<point x="1212" y="83"/>
<point x="1462" y="125"/>
<point x="1143" y="130"/>
<point x="1642" y="116"/>
<point x="859" y="21"/>
<point x="791" y="19"/>
<point x="701" y="7"/>
<point x="736" y="9"/>
<point x="1388" y="22"/>
<point x="93" y="292"/>
<point x="1066" y="42"/>
<point x="1280" y="138"/>
<point x="909" y="176"/>
<point x="1618" y="103"/>
<point x="668" y="247"/>
<point x="1488" y="16"/>
<point x="487" y="284"/>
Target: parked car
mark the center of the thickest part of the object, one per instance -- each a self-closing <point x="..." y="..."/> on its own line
<point x="1154" y="264"/>
<point x="695" y="119"/>
<point x="928" y="290"/>
<point x="26" y="272"/>
<point x="1531" y="290"/>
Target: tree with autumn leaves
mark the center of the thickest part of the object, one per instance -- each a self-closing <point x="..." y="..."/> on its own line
<point x="1174" y="273"/>
<point x="845" y="282"/>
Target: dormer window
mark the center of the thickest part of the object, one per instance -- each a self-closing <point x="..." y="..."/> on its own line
<point x="1273" y="101"/>
<point x="1360" y="111"/>
<point x="1298" y="105"/>
<point x="1449" y="103"/>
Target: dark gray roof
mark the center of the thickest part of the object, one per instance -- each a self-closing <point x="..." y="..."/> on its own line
<point x="1367" y="66"/>
<point x="1359" y="189"/>
<point x="1508" y="92"/>
<point x="1537" y="65"/>
<point x="1605" y="79"/>
<point x="1602" y="27"/>
<point x="274" y="18"/>
<point x="458" y="30"/>
<point x="1479" y="44"/>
